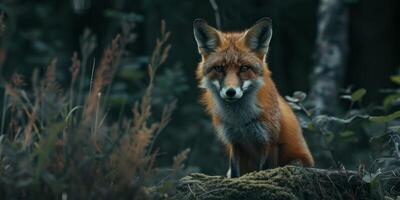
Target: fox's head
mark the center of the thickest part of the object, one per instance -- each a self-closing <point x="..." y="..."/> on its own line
<point x="233" y="64"/>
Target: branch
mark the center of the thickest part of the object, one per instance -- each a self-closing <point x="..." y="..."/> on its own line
<point x="214" y="6"/>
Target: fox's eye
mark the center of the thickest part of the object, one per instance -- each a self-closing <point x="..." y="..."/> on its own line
<point x="219" y="69"/>
<point x="244" y="68"/>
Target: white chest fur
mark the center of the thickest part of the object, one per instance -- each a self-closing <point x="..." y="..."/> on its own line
<point x="239" y="121"/>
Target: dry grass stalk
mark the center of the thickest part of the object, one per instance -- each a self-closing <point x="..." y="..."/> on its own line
<point x="19" y="102"/>
<point x="28" y="130"/>
<point x="13" y="93"/>
<point x="179" y="159"/>
<point x="126" y="37"/>
<point x="102" y="78"/>
<point x="75" y="67"/>
<point x="51" y="72"/>
<point x="130" y="158"/>
<point x="142" y="112"/>
<point x="12" y="99"/>
<point x="88" y="44"/>
<point x="132" y="161"/>
<point x="49" y="90"/>
<point x="17" y="80"/>
<point x="15" y="112"/>
<point x="165" y="118"/>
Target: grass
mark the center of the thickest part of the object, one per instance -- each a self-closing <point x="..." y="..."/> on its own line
<point x="57" y="142"/>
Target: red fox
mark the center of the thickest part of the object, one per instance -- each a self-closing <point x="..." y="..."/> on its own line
<point x="254" y="122"/>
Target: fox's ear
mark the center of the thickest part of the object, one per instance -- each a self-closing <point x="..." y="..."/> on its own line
<point x="258" y="37"/>
<point x="207" y="37"/>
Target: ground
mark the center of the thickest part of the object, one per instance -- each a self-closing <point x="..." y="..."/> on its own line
<point x="288" y="182"/>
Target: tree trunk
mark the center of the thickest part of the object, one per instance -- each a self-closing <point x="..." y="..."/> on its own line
<point x="330" y="54"/>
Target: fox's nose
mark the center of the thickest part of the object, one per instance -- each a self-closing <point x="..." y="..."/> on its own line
<point x="230" y="92"/>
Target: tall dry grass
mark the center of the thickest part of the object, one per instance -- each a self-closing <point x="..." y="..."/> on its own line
<point x="57" y="142"/>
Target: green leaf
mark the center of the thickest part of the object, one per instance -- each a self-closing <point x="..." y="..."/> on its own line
<point x="329" y="138"/>
<point x="291" y="99"/>
<point x="371" y="177"/>
<point x="294" y="106"/>
<point x="166" y="186"/>
<point x="347" y="134"/>
<point x="390" y="100"/>
<point x="395" y="79"/>
<point x="300" y="95"/>
<point x="394" y="129"/>
<point x="348" y="97"/>
<point x="367" y="178"/>
<point x="311" y="127"/>
<point x="385" y="118"/>
<point x="358" y="95"/>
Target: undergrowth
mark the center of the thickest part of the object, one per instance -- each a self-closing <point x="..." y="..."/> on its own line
<point x="58" y="143"/>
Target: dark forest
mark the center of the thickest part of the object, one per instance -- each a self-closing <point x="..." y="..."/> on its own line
<point x="100" y="100"/>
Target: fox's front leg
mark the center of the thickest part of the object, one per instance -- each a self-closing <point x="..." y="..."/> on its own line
<point x="245" y="158"/>
<point x="234" y="168"/>
<point x="271" y="157"/>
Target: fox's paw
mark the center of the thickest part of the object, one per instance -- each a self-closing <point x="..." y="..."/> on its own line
<point x="228" y="173"/>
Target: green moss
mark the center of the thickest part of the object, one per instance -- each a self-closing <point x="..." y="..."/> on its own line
<point x="281" y="183"/>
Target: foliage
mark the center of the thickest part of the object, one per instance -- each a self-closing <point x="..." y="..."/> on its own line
<point x="59" y="142"/>
<point x="339" y="136"/>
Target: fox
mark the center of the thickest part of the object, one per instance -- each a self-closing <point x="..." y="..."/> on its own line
<point x="251" y="119"/>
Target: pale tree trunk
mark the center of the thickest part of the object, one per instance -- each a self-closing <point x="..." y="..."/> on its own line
<point x="330" y="55"/>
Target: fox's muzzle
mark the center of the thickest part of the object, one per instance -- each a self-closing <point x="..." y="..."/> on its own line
<point x="231" y="93"/>
<point x="231" y="89"/>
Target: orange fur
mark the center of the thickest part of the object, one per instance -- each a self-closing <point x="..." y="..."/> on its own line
<point x="287" y="142"/>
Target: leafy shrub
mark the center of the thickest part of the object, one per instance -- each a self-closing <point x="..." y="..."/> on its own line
<point x="366" y="138"/>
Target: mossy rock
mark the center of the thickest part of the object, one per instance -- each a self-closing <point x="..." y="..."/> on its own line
<point x="284" y="183"/>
